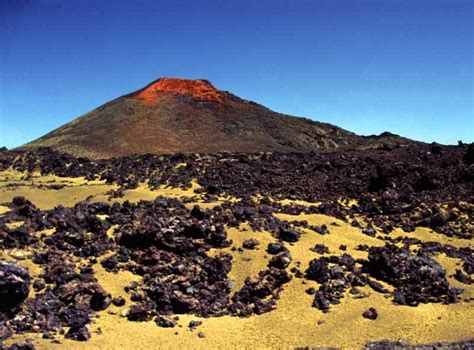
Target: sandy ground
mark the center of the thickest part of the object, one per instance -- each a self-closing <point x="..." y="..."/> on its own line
<point x="293" y="323"/>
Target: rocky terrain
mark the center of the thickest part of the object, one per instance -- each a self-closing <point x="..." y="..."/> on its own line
<point x="173" y="115"/>
<point x="354" y="249"/>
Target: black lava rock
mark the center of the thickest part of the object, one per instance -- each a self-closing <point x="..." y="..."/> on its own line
<point x="118" y="301"/>
<point x="80" y="333"/>
<point x="165" y="321"/>
<point x="250" y="243"/>
<point x="14" y="285"/>
<point x="371" y="314"/>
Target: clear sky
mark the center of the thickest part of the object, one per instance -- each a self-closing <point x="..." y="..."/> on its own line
<point x="366" y="65"/>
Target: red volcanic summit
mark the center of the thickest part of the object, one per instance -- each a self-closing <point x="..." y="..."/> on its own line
<point x="198" y="89"/>
<point x="173" y="115"/>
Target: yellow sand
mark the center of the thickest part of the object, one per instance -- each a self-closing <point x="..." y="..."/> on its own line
<point x="142" y="192"/>
<point x="77" y="189"/>
<point x="12" y="225"/>
<point x="248" y="262"/>
<point x="4" y="209"/>
<point x="297" y="202"/>
<point x="427" y="235"/>
<point x="293" y="322"/>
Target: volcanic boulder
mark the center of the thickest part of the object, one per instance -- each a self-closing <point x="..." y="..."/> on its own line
<point x="417" y="278"/>
<point x="14" y="286"/>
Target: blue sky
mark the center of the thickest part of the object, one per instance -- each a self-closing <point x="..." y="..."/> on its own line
<point x="366" y="65"/>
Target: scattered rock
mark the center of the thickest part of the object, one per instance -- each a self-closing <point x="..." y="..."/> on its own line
<point x="139" y="313"/>
<point x="118" y="301"/>
<point x="14" y="285"/>
<point x="165" y="321"/>
<point x="371" y="314"/>
<point x="251" y="243"/>
<point x="80" y="333"/>
<point x="369" y="231"/>
<point x="320" y="249"/>
<point x="462" y="277"/>
<point x="194" y="324"/>
<point x="288" y="235"/>
<point x="275" y="248"/>
<point x="280" y="260"/>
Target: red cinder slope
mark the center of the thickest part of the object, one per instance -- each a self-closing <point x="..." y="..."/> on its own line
<point x="198" y="89"/>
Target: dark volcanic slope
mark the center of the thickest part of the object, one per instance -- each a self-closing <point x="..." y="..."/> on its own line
<point x="177" y="115"/>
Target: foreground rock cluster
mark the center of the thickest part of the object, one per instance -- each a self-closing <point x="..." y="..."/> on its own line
<point x="162" y="241"/>
<point x="178" y="252"/>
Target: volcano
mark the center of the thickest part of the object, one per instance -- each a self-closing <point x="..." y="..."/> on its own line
<point x="173" y="115"/>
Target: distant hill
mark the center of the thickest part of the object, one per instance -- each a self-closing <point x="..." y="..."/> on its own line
<point x="173" y="115"/>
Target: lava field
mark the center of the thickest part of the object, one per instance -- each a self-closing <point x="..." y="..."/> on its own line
<point x="182" y="253"/>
